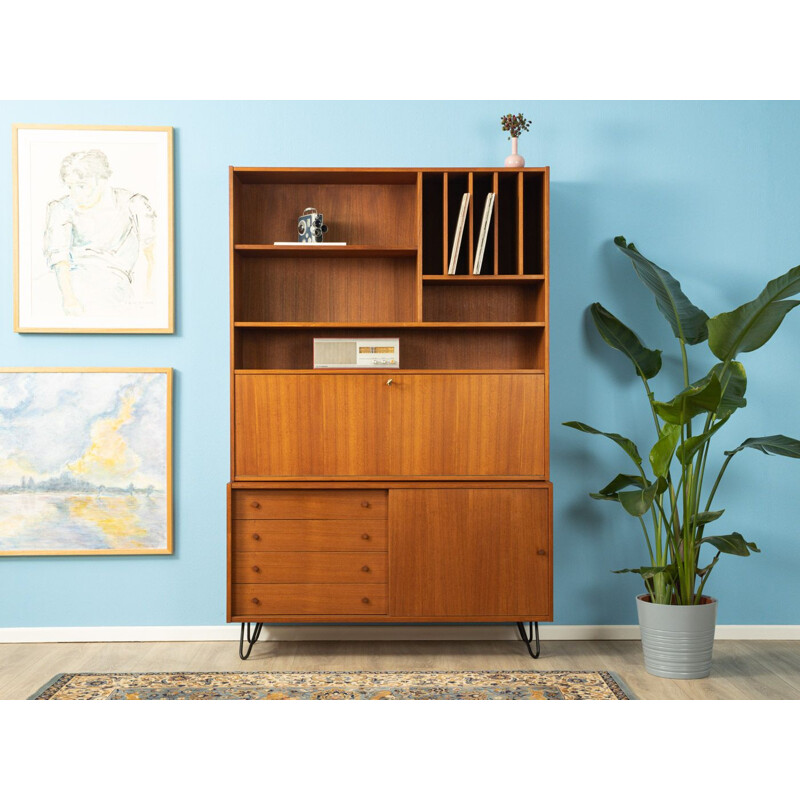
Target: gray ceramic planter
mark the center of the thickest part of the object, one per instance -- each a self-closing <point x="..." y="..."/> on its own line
<point x="677" y="640"/>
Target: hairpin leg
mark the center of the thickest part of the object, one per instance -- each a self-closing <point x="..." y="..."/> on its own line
<point x="250" y="639"/>
<point x="529" y="638"/>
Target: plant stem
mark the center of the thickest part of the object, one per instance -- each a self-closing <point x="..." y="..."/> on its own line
<point x="705" y="577"/>
<point x="719" y="478"/>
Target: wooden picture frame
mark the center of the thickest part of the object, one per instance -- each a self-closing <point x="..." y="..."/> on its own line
<point x="85" y="461"/>
<point x="93" y="229"/>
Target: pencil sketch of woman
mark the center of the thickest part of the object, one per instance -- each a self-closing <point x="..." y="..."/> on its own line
<point x="94" y="236"/>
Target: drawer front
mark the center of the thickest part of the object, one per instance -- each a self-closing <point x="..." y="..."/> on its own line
<point x="320" y="535"/>
<point x="309" y="504"/>
<point x="297" y="598"/>
<point x="310" y="568"/>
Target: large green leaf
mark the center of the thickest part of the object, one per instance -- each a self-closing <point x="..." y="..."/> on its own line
<point x="639" y="502"/>
<point x="626" y="444"/>
<point x="620" y="337"/>
<point x="598" y="496"/>
<point x="662" y="451"/>
<point x="687" y="321"/>
<point x="732" y="544"/>
<point x="704" y="517"/>
<point x="702" y="396"/>
<point x="648" y="572"/>
<point x="748" y="327"/>
<point x="621" y="482"/>
<point x="687" y="451"/>
<point x="734" y="385"/>
<point x="771" y="445"/>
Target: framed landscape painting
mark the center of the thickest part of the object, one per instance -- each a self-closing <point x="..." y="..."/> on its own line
<point x="85" y="461"/>
<point x="93" y="229"/>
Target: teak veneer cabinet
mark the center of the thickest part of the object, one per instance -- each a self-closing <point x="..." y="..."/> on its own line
<point x="417" y="494"/>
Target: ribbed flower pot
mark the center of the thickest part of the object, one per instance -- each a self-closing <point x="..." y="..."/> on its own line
<point x="677" y="640"/>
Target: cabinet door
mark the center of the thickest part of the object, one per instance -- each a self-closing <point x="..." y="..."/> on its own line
<point x="406" y="425"/>
<point x="470" y="552"/>
<point x="481" y="425"/>
<point x="311" y="425"/>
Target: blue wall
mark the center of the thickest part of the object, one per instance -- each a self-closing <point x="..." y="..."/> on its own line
<point x="709" y="190"/>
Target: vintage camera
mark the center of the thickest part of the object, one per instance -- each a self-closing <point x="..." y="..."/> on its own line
<point x="310" y="227"/>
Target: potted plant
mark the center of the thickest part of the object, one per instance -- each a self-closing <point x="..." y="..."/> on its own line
<point x="514" y="125"/>
<point x="671" y="494"/>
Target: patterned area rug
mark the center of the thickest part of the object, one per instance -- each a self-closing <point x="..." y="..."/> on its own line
<point x="418" y="685"/>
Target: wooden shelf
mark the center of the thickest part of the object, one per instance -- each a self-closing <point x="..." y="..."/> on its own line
<point x="422" y="325"/>
<point x="326" y="251"/>
<point x="484" y="278"/>
<point x="370" y="371"/>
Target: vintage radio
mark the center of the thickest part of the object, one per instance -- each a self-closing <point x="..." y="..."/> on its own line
<point x="356" y="353"/>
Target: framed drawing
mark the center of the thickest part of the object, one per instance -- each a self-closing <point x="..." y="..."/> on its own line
<point x="93" y="229"/>
<point x="85" y="461"/>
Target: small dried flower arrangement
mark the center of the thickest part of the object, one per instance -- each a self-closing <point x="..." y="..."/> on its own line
<point x="515" y="124"/>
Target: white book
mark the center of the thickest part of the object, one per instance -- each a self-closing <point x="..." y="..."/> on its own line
<point x="484" y="233"/>
<point x="308" y="244"/>
<point x="462" y="218"/>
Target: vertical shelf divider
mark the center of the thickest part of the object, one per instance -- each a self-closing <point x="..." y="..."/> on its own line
<point x="520" y="227"/>
<point x="419" y="223"/>
<point x="471" y="214"/>
<point x="446" y="248"/>
<point x="495" y="217"/>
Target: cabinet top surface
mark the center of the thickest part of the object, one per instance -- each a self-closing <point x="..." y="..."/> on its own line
<point x="364" y="174"/>
<point x="389" y="169"/>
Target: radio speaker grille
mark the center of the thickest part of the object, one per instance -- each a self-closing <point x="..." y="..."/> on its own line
<point x="335" y="352"/>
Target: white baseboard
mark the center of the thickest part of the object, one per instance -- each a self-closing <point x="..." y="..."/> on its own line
<point x="387" y="632"/>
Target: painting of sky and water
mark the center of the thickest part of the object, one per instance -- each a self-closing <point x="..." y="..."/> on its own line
<point x="85" y="462"/>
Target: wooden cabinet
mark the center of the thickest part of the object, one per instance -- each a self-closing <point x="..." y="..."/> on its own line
<point x="411" y="494"/>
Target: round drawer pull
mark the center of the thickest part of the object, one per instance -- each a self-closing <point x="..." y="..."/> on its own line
<point x="364" y="504"/>
<point x="365" y="599"/>
<point x="255" y="504"/>
<point x="257" y="537"/>
<point x="541" y="552"/>
<point x="256" y="569"/>
<point x="390" y="382"/>
<point x="365" y="568"/>
<point x="365" y="536"/>
<point x="256" y="601"/>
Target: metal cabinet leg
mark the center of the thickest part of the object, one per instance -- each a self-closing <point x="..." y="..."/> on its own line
<point x="250" y="639"/>
<point x="529" y="638"/>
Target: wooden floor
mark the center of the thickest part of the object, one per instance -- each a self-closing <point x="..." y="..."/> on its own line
<point x="756" y="670"/>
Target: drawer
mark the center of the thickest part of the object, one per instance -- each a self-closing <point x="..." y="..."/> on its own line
<point x="271" y="535"/>
<point x="254" y="600"/>
<point x="309" y="504"/>
<point x="310" y="568"/>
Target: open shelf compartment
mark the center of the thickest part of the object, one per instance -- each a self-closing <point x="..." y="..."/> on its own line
<point x="421" y="348"/>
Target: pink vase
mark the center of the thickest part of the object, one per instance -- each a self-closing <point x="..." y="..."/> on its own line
<point x="515" y="159"/>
